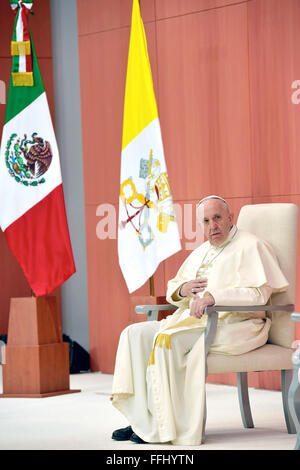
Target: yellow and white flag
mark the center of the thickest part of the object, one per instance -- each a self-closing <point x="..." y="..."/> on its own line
<point x="148" y="232"/>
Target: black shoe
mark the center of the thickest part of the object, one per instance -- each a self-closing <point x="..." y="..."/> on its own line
<point x="135" y="438"/>
<point x="123" y="434"/>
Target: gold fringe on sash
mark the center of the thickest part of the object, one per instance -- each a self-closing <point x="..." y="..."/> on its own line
<point x="22" y="78"/>
<point x="161" y="341"/>
<point x="20" y="48"/>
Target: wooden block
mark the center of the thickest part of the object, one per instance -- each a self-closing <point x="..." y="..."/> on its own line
<point x="36" y="359"/>
<point x="33" y="321"/>
<point x="36" y="369"/>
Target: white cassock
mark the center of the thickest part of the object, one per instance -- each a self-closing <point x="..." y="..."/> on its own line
<point x="159" y="379"/>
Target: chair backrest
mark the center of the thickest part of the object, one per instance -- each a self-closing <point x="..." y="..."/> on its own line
<point x="277" y="223"/>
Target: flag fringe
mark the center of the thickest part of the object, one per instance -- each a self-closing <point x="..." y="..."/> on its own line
<point x="22" y="79"/>
<point x="20" y="48"/>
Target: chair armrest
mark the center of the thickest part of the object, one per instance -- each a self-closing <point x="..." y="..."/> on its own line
<point x="218" y="308"/>
<point x="152" y="310"/>
<point x="155" y="308"/>
<point x="295" y="317"/>
<point x="250" y="308"/>
<point x="212" y="312"/>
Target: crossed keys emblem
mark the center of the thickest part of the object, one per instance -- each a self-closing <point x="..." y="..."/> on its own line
<point x="157" y="196"/>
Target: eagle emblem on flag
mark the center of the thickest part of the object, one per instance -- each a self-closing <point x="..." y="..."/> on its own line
<point x="28" y="160"/>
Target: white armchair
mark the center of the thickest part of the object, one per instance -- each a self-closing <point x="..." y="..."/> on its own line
<point x="278" y="225"/>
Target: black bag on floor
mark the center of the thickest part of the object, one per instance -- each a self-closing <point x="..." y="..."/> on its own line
<point x="3" y="340"/>
<point x="79" y="357"/>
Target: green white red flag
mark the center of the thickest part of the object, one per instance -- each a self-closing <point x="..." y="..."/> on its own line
<point x="32" y="216"/>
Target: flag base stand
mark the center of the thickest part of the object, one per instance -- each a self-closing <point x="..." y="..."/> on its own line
<point x="35" y="359"/>
<point x="37" y="395"/>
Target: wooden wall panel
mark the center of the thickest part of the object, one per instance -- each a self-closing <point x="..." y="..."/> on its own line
<point x="5" y="68"/>
<point x="106" y="291"/>
<point x="274" y="63"/>
<point x="204" y="102"/>
<point x="101" y="15"/>
<point x="169" y="8"/>
<point x="6" y="27"/>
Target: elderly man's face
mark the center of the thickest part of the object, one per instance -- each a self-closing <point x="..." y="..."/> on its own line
<point x="216" y="220"/>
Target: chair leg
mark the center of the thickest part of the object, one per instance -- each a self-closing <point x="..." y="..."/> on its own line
<point x="203" y="424"/>
<point x="286" y="378"/>
<point x="294" y="404"/>
<point x="242" y="383"/>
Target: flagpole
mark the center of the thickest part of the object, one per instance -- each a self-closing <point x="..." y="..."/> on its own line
<point x="151" y="282"/>
<point x="151" y="279"/>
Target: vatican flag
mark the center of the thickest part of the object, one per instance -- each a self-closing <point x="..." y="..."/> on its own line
<point x="148" y="231"/>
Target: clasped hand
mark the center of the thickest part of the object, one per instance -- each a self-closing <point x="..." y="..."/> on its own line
<point x="198" y="305"/>
<point x="190" y="289"/>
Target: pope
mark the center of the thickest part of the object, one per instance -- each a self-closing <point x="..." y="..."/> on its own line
<point x="159" y="379"/>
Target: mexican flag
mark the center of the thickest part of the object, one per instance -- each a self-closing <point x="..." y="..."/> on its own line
<point x="148" y="231"/>
<point x="32" y="216"/>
